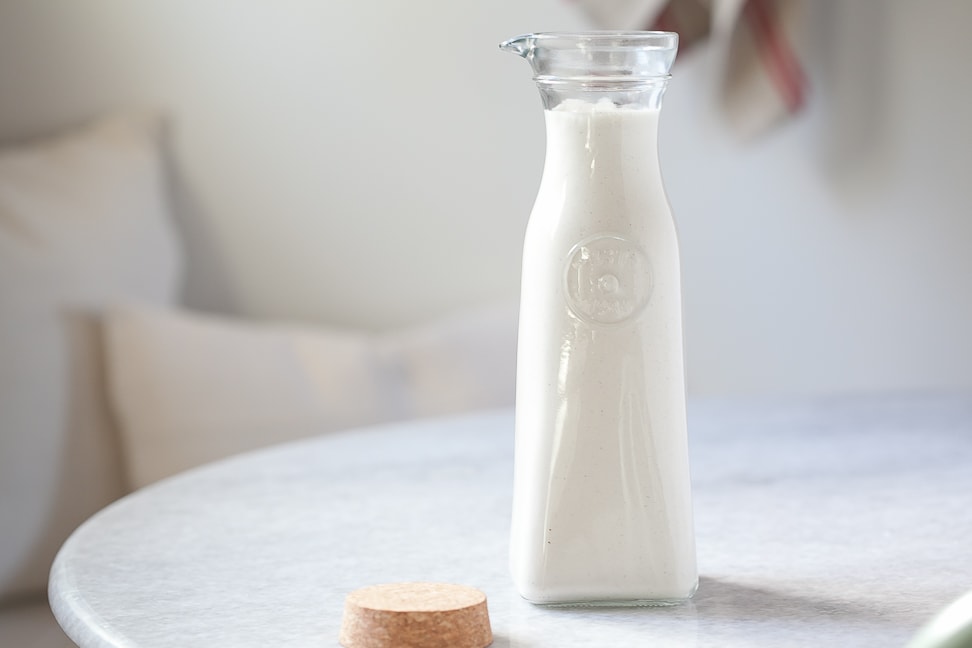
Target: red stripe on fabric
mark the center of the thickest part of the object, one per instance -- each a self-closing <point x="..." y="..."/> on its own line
<point x="777" y="55"/>
<point x="762" y="31"/>
<point x="665" y="21"/>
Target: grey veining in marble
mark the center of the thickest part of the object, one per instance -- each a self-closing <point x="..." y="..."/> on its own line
<point x="834" y="522"/>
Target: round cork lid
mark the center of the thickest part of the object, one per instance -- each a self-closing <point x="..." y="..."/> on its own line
<point x="407" y="615"/>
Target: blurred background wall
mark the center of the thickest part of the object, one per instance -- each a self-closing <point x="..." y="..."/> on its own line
<point x="372" y="164"/>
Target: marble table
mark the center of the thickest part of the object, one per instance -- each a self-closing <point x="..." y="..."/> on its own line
<point x="832" y="522"/>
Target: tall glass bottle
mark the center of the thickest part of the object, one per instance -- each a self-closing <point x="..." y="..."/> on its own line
<point x="602" y="510"/>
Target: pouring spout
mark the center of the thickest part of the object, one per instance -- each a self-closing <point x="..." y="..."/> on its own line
<point x="521" y="45"/>
<point x="604" y="56"/>
<point x="626" y="67"/>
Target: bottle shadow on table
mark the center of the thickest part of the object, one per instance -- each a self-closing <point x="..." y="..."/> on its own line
<point x="720" y="599"/>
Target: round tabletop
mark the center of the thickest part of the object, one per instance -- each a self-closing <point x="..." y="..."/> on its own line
<point x="832" y="522"/>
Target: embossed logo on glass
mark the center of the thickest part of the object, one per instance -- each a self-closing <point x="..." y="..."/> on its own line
<point x="608" y="280"/>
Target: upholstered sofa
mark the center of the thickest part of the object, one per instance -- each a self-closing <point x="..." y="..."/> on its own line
<point x="108" y="384"/>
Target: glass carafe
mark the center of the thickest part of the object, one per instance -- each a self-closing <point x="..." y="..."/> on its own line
<point x="602" y="509"/>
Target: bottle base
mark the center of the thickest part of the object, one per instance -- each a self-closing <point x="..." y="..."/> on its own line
<point x="619" y="603"/>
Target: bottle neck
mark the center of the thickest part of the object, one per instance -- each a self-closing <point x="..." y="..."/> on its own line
<point x="601" y="148"/>
<point x="641" y="94"/>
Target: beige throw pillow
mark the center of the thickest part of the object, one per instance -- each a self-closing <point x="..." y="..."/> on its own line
<point x="189" y="388"/>
<point x="461" y="362"/>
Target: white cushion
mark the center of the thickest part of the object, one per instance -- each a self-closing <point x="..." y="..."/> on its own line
<point x="188" y="388"/>
<point x="83" y="221"/>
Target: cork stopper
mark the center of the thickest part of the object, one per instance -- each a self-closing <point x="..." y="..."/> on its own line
<point x="416" y="615"/>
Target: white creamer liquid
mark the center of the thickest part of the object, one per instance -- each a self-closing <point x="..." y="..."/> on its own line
<point x="602" y="504"/>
